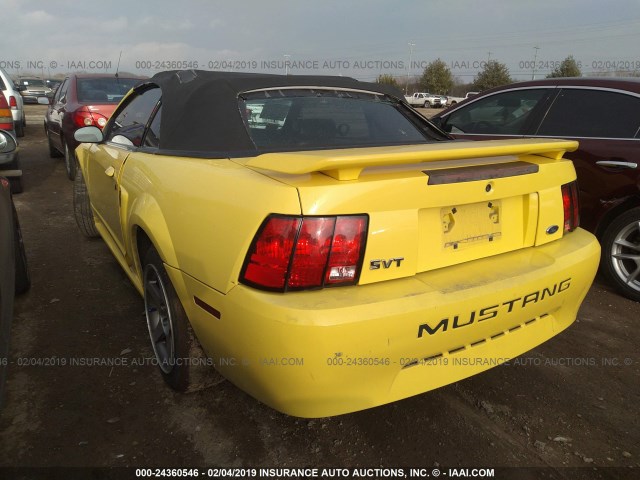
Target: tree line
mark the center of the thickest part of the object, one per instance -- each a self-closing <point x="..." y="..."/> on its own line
<point x="437" y="77"/>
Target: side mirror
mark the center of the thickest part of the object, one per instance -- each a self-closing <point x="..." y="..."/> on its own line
<point x="8" y="143"/>
<point x="88" y="135"/>
<point x="44" y="100"/>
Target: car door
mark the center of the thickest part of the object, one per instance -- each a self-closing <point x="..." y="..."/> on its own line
<point x="510" y="113"/>
<point x="606" y="122"/>
<point x="123" y="135"/>
<point x="56" y="113"/>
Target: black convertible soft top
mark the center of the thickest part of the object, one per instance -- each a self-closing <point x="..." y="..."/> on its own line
<point x="200" y="110"/>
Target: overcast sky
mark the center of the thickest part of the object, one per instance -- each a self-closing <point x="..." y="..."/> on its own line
<point x="358" y="38"/>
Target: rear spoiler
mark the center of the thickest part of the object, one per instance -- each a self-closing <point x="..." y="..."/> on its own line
<point x="347" y="164"/>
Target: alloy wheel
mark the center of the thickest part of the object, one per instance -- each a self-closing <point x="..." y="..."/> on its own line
<point x="159" y="318"/>
<point x="625" y="253"/>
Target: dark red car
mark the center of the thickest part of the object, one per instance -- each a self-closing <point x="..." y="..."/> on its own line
<point x="81" y="100"/>
<point x="603" y="114"/>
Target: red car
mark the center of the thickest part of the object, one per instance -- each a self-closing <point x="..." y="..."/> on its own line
<point x="603" y="114"/>
<point x="81" y="100"/>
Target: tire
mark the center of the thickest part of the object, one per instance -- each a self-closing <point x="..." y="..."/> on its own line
<point x="82" y="207"/>
<point x="169" y="330"/>
<point x="620" y="262"/>
<point x="70" y="162"/>
<point x="23" y="278"/>
<point x="427" y="104"/>
<point x="16" y="184"/>
<point x="53" y="152"/>
<point x="19" y="129"/>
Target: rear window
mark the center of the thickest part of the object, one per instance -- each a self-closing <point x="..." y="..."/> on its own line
<point x="304" y="119"/>
<point x="104" y="90"/>
<point x="592" y="113"/>
<point x="2" y="85"/>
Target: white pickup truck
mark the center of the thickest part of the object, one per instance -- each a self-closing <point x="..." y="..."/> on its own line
<point x="453" y="100"/>
<point x="423" y="99"/>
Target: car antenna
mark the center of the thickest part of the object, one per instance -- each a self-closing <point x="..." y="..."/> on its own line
<point x="118" y="67"/>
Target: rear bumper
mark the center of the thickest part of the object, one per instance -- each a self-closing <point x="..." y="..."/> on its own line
<point x="334" y="351"/>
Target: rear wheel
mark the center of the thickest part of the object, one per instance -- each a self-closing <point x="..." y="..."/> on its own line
<point x="16" y="184"/>
<point x="167" y="323"/>
<point x="19" y="129"/>
<point x="82" y="207"/>
<point x="70" y="162"/>
<point x="620" y="262"/>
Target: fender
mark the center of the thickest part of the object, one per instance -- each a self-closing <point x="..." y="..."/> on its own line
<point x="145" y="214"/>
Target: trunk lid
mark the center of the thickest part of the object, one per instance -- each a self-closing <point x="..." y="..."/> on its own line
<point x="431" y="206"/>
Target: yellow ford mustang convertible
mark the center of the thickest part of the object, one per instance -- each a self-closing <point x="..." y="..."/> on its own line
<point x="327" y="246"/>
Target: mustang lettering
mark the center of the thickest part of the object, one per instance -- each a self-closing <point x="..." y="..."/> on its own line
<point x="488" y="313"/>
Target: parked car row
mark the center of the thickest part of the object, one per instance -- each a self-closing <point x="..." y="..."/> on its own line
<point x="81" y="100"/>
<point x="603" y="115"/>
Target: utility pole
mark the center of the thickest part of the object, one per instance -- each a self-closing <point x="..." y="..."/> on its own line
<point x="406" y="87"/>
<point x="535" y="58"/>
<point x="489" y="57"/>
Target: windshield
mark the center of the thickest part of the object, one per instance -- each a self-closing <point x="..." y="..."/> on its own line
<point x="32" y="82"/>
<point x="104" y="90"/>
<point x="294" y="119"/>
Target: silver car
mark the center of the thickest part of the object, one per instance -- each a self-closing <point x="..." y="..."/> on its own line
<point x="31" y="88"/>
<point x="14" y="99"/>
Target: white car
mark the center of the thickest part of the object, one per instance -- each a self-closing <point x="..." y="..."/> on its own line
<point x="14" y="99"/>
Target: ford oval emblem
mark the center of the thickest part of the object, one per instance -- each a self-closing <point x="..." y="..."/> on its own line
<point x="552" y="229"/>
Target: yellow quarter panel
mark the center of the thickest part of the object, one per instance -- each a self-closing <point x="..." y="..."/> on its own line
<point x="201" y="214"/>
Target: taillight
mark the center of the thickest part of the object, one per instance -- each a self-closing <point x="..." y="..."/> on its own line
<point x="571" y="206"/>
<point x="85" y="118"/>
<point x="6" y="120"/>
<point x="297" y="253"/>
<point x="13" y="103"/>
